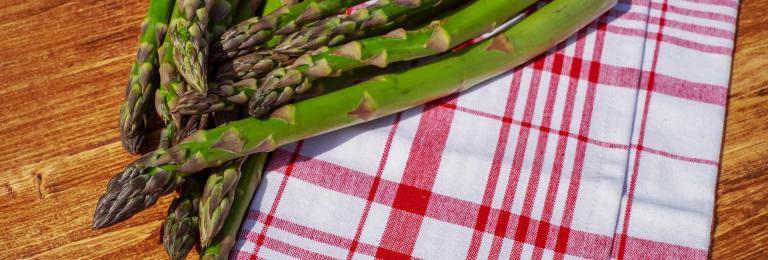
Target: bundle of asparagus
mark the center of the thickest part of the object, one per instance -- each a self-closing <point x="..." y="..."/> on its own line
<point x="263" y="63"/>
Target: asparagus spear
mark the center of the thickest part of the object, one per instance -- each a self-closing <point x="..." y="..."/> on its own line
<point x="272" y="5"/>
<point x="251" y="65"/>
<point x="218" y="196"/>
<point x="190" y="124"/>
<point x="218" y="246"/>
<point x="222" y="97"/>
<point x="339" y="29"/>
<point x="374" y="20"/>
<point x="194" y="123"/>
<point x="190" y="41"/>
<point x="252" y="171"/>
<point x="134" y="114"/>
<point x="245" y="9"/>
<point x="180" y="229"/>
<point x="281" y="84"/>
<point x="250" y="8"/>
<point x="222" y="14"/>
<point x="249" y="34"/>
<point x="227" y="96"/>
<point x="171" y="85"/>
<point x="152" y="175"/>
<point x="225" y="70"/>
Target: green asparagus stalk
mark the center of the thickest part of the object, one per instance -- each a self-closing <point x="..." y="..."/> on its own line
<point x="226" y="222"/>
<point x="269" y="6"/>
<point x="340" y="29"/>
<point x="171" y="86"/>
<point x="251" y="33"/>
<point x="374" y="20"/>
<point x="252" y="171"/>
<point x="252" y="65"/>
<point x="272" y="5"/>
<point x="224" y="117"/>
<point x="190" y="42"/>
<point x="151" y="175"/>
<point x="171" y="83"/>
<point x="190" y="124"/>
<point x="180" y="230"/>
<point x="228" y="95"/>
<point x="222" y="97"/>
<point x="218" y="196"/>
<point x="251" y="8"/>
<point x="147" y="185"/>
<point x="281" y="84"/>
<point x="222" y="14"/>
<point x="134" y="113"/>
<point x="245" y="9"/>
<point x="225" y="70"/>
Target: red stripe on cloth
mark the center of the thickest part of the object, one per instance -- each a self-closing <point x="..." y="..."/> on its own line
<point x="414" y="191"/>
<point x="677" y="157"/>
<point x="637" y="248"/>
<point x="578" y="165"/>
<point x="641" y="135"/>
<point x="442" y="207"/>
<point x="684" y="26"/>
<point x="705" y="93"/>
<point x="307" y="232"/>
<point x="358" y="186"/>
<point x="539" y="153"/>
<point x="693" y="45"/>
<point x="565" y="134"/>
<point x="617" y="76"/>
<point x="725" y="3"/>
<point x="557" y="167"/>
<point x="498" y="155"/>
<point x="502" y="227"/>
<point x="276" y="202"/>
<point x="290" y="250"/>
<point x="672" y="8"/>
<point x="697" y="13"/>
<point x="696" y="28"/>
<point x="374" y="186"/>
<point x="688" y="44"/>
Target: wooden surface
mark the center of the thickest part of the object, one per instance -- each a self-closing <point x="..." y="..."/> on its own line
<point x="63" y="68"/>
<point x="741" y="230"/>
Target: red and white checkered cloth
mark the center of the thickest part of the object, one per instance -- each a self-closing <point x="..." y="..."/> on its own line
<point x="606" y="147"/>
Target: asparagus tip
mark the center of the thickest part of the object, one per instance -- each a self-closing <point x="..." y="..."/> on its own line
<point x="131" y="191"/>
<point x="132" y="143"/>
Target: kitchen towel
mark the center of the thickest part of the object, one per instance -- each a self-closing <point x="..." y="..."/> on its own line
<point x="607" y="146"/>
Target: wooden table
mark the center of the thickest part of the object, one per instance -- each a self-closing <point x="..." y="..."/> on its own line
<point x="64" y="65"/>
<point x="741" y="231"/>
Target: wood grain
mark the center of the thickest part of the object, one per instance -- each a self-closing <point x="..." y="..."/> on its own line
<point x="742" y="193"/>
<point x="64" y="68"/>
<point x="64" y="65"/>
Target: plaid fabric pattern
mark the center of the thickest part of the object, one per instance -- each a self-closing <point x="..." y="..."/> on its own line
<point x="607" y="146"/>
